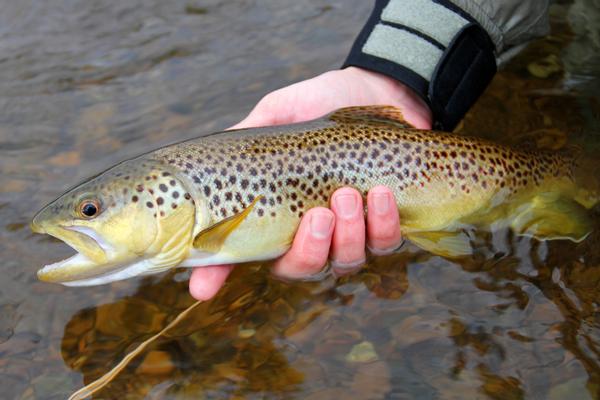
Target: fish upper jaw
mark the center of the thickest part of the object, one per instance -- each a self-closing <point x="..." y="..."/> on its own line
<point x="37" y="224"/>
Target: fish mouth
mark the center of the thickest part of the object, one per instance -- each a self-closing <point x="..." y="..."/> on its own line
<point x="91" y="260"/>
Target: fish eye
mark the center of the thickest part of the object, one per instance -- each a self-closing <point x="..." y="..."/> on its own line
<point x="89" y="208"/>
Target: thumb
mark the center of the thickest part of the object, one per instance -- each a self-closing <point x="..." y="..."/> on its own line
<point x="264" y="113"/>
<point x="255" y="119"/>
<point x="276" y="108"/>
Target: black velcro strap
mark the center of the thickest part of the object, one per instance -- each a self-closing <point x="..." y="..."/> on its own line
<point x="462" y="74"/>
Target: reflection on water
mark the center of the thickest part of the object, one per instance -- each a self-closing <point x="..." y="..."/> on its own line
<point x="85" y="84"/>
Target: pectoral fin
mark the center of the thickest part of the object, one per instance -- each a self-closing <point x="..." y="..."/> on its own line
<point x="446" y="244"/>
<point x="550" y="216"/>
<point x="211" y="239"/>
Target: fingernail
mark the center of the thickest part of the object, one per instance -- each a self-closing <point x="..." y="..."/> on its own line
<point x="381" y="203"/>
<point x="346" y="205"/>
<point x="320" y="225"/>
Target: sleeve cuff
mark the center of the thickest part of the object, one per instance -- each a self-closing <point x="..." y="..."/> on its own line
<point x="431" y="46"/>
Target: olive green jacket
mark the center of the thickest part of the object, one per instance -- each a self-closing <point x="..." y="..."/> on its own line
<point x="509" y="23"/>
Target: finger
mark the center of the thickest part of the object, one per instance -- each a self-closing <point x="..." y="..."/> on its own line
<point x="205" y="282"/>
<point x="383" y="221"/>
<point x="348" y="243"/>
<point x="310" y="249"/>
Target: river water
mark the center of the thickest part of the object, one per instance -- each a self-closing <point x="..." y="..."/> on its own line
<point x="86" y="84"/>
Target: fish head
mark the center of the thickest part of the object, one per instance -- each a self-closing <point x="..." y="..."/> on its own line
<point x="120" y="224"/>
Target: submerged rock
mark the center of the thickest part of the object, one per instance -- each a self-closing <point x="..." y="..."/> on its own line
<point x="363" y="352"/>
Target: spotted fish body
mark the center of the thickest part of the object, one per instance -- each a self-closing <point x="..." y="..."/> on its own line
<point x="238" y="196"/>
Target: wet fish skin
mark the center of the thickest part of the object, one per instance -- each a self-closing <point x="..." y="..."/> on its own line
<point x="238" y="196"/>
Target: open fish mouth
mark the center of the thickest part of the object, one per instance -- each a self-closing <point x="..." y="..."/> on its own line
<point x="91" y="265"/>
<point x="91" y="259"/>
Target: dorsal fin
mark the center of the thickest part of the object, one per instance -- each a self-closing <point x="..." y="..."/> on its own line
<point x="384" y="114"/>
<point x="212" y="238"/>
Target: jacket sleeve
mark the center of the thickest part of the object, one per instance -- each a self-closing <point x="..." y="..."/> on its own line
<point x="509" y="23"/>
<point x="447" y="51"/>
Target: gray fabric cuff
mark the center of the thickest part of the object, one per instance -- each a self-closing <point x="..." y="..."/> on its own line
<point x="433" y="47"/>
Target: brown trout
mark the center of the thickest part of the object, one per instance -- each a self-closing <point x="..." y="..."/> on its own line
<point x="238" y="196"/>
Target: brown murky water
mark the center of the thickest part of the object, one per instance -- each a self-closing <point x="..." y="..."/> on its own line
<point x="86" y="84"/>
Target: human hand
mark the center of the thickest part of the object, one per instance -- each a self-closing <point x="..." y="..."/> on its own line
<point x="338" y="233"/>
<point x="352" y="86"/>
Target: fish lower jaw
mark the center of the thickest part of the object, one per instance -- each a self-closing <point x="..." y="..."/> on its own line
<point x="142" y="267"/>
<point x="55" y="271"/>
<point x="66" y="272"/>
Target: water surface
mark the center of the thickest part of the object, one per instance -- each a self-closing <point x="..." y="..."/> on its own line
<point x="84" y="85"/>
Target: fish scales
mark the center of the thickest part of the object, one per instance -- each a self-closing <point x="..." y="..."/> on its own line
<point x="297" y="169"/>
<point x="238" y="196"/>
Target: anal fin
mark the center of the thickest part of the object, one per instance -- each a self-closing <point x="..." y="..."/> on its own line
<point x="442" y="243"/>
<point x="551" y="216"/>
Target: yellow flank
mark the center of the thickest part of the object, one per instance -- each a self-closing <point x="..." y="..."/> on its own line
<point x="239" y="195"/>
